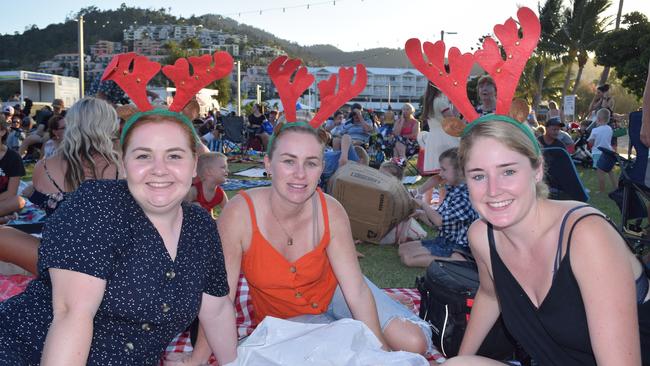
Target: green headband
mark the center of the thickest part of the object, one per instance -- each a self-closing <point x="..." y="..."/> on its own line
<point x="284" y="127"/>
<point x="158" y="112"/>
<point x="498" y="117"/>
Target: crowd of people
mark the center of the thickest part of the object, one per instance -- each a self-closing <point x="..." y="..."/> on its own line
<point x="132" y="252"/>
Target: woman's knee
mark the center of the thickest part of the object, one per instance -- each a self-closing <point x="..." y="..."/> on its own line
<point x="407" y="260"/>
<point x="404" y="335"/>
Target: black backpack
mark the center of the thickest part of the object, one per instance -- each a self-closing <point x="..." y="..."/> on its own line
<point x="447" y="292"/>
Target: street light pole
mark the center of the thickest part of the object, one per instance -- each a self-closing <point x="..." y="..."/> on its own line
<point x="443" y="32"/>
<point x="258" y="89"/>
<point x="239" y="88"/>
<point x="81" y="56"/>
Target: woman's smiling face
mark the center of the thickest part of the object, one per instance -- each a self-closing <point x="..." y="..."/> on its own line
<point x="501" y="182"/>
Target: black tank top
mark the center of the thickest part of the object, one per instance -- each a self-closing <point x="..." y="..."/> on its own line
<point x="557" y="332"/>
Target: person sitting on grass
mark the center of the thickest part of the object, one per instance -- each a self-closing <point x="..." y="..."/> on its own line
<point x="393" y="169"/>
<point x="406" y="132"/>
<point x="601" y="136"/>
<point x="212" y="170"/>
<point x="11" y="170"/>
<point x="334" y="159"/>
<point x="452" y="218"/>
<point x="86" y="153"/>
<point x="56" y="129"/>
<point x="299" y="264"/>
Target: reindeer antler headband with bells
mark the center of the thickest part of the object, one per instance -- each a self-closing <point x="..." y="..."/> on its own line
<point x="504" y="71"/>
<point x="132" y="73"/>
<point x="281" y="70"/>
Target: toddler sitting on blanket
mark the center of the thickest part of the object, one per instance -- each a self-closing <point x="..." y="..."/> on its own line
<point x="452" y="218"/>
<point x="212" y="170"/>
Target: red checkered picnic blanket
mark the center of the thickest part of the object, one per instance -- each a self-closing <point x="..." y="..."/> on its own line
<point x="15" y="284"/>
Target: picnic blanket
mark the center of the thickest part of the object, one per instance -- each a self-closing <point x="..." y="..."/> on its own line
<point x="239" y="184"/>
<point x="15" y="284"/>
<point x="253" y="173"/>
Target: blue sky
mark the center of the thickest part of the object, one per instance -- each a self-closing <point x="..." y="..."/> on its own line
<point x="348" y="24"/>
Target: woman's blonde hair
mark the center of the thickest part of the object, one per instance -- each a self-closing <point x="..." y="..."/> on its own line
<point x="512" y="137"/>
<point x="91" y="126"/>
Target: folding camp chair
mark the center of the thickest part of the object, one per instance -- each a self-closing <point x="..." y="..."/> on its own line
<point x="633" y="192"/>
<point x="233" y="129"/>
<point x="561" y="176"/>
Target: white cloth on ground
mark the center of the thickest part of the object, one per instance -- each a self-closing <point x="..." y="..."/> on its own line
<point x="345" y="342"/>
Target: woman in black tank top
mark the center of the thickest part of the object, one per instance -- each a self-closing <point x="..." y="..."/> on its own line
<point x="568" y="288"/>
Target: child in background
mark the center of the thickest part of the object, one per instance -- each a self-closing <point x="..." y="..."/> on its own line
<point x="601" y="136"/>
<point x="452" y="219"/>
<point x="393" y="169"/>
<point x="212" y="170"/>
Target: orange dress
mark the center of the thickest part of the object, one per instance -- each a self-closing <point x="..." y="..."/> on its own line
<point x="286" y="289"/>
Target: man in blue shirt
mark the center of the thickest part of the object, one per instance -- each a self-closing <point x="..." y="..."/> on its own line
<point x="357" y="127"/>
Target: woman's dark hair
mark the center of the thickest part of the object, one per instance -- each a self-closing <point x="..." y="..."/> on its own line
<point x="53" y="123"/>
<point x="337" y="113"/>
<point x="604" y="88"/>
<point x="429" y="96"/>
<point x="4" y="127"/>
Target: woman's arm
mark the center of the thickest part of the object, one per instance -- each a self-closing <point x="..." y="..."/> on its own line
<point x="343" y="257"/>
<point x="217" y="316"/>
<point x="75" y="299"/>
<point x="12" y="189"/>
<point x="594" y="102"/>
<point x="603" y="267"/>
<point x="231" y="225"/>
<point x="432" y="214"/>
<point x="397" y="127"/>
<point x="485" y="310"/>
<point x="416" y="130"/>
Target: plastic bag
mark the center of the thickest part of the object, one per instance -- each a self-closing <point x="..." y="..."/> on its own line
<point x="345" y="342"/>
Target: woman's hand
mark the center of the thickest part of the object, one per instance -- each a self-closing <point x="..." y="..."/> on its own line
<point x="177" y="359"/>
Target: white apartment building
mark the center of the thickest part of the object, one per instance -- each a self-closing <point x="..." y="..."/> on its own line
<point x="65" y="64"/>
<point x="385" y="85"/>
<point x="232" y="49"/>
<point x="105" y="48"/>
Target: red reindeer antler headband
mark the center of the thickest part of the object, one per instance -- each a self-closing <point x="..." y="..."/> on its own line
<point x="132" y="73"/>
<point x="504" y="72"/>
<point x="280" y="71"/>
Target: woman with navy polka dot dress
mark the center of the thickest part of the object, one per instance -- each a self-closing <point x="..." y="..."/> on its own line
<point x="124" y="266"/>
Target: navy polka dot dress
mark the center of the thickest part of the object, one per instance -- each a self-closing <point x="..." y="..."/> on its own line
<point x="101" y="231"/>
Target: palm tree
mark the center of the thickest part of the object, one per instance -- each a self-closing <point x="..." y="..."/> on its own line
<point x="582" y="29"/>
<point x="605" y="74"/>
<point x="528" y="87"/>
<point x="592" y="33"/>
<point x="549" y="46"/>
